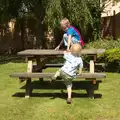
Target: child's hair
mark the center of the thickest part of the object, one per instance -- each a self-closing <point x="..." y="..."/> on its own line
<point x="65" y="22"/>
<point x="76" y="49"/>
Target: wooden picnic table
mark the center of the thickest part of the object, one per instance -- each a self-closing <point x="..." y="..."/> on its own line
<point x="34" y="52"/>
<point x="42" y="57"/>
<point x="37" y="54"/>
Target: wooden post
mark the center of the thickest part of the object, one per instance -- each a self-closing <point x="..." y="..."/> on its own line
<point x="92" y="70"/>
<point x="91" y="66"/>
<point x="38" y="60"/>
<point x="29" y="67"/>
<point x="38" y="64"/>
<point x="28" y="81"/>
<point x="26" y="60"/>
<point x="28" y="88"/>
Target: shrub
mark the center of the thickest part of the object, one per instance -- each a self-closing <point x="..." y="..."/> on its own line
<point x="104" y="44"/>
<point x="111" y="57"/>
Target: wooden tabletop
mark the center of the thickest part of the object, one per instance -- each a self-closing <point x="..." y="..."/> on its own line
<point x="32" y="52"/>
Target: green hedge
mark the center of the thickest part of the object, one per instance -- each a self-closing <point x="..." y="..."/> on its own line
<point x="111" y="57"/>
<point x="104" y="43"/>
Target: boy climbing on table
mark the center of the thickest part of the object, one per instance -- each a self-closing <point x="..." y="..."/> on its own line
<point x="68" y="72"/>
<point x="71" y="35"/>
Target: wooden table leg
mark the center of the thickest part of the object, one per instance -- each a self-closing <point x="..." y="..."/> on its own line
<point x="92" y="66"/>
<point x="91" y="88"/>
<point x="41" y="63"/>
<point x="38" y="64"/>
<point x="28" y="91"/>
<point x="90" y="91"/>
<point x="28" y="88"/>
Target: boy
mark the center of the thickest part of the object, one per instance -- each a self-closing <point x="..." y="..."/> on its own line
<point x="71" y="35"/>
<point x="69" y="71"/>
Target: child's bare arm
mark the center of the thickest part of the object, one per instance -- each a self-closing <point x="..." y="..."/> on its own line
<point x="57" y="48"/>
<point x="69" y="41"/>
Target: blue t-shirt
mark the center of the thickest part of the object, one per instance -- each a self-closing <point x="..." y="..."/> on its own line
<point x="71" y="31"/>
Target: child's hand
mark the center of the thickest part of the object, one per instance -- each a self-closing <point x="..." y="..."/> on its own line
<point x="65" y="52"/>
<point x="57" y="48"/>
<point x="68" y="50"/>
<point x="79" y="74"/>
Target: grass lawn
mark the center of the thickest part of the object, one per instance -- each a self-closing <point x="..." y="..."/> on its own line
<point x="49" y="105"/>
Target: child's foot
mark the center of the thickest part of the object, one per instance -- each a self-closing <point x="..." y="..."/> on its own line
<point x="69" y="100"/>
<point x="52" y="80"/>
<point x="57" y="74"/>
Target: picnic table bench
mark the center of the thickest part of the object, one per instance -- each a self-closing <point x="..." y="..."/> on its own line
<point x="42" y="57"/>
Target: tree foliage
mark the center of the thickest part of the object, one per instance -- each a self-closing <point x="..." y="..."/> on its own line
<point x="83" y="14"/>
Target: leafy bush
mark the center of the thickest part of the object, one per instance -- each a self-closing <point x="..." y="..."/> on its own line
<point x="104" y="44"/>
<point x="111" y="57"/>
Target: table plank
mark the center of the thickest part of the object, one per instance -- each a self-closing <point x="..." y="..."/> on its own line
<point x="32" y="52"/>
<point x="49" y="75"/>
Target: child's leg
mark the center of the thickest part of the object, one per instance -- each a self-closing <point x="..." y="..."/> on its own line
<point x="65" y="39"/>
<point x="57" y="74"/>
<point x="69" y="90"/>
<point x="75" y="41"/>
<point x="68" y="82"/>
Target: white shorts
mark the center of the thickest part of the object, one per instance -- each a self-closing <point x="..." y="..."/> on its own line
<point x="73" y="41"/>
